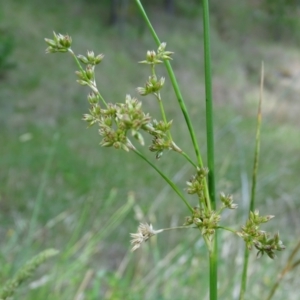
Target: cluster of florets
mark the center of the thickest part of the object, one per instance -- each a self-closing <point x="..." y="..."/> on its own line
<point x="206" y="220"/>
<point x="227" y="201"/>
<point x="60" y="43"/>
<point x="116" y="120"/>
<point x="261" y="240"/>
<point x="196" y="183"/>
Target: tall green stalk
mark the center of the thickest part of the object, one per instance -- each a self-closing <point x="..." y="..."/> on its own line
<point x="119" y="119"/>
<point x="210" y="189"/>
<point x="213" y="255"/>
<point x="254" y="179"/>
<point x="175" y="86"/>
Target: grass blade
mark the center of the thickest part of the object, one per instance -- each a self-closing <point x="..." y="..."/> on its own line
<point x="254" y="179"/>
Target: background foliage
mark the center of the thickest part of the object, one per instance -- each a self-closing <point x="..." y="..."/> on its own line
<point x="59" y="189"/>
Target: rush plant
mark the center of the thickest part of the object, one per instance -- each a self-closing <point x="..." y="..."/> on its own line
<point x="122" y="125"/>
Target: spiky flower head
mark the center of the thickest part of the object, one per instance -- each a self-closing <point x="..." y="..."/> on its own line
<point x="153" y="58"/>
<point x="145" y="231"/>
<point x="60" y="43"/>
<point x="228" y="201"/>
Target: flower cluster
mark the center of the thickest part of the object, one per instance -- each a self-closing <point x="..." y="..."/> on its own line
<point x="252" y="235"/>
<point x="87" y="76"/>
<point x="227" y="201"/>
<point x="116" y="120"/>
<point x="90" y="58"/>
<point x="196" y="183"/>
<point x="202" y="217"/>
<point x="206" y="220"/>
<point x="60" y="43"/>
<point x="153" y="85"/>
<point x="153" y="58"/>
<point x="145" y="232"/>
<point x="161" y="140"/>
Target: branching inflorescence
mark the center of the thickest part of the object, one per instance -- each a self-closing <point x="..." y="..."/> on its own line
<point x="120" y="122"/>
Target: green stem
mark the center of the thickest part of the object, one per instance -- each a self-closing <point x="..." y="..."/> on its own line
<point x="213" y="275"/>
<point x="162" y="111"/>
<point x="227" y="228"/>
<point x="208" y="193"/>
<point x="210" y="146"/>
<point x="188" y="159"/>
<point x="175" y="86"/>
<point x="177" y="227"/>
<point x="257" y="144"/>
<point x="244" y="274"/>
<point x="254" y="179"/>
<point x="180" y="100"/>
<point x="169" y="181"/>
<point x="82" y="70"/>
<point x="76" y="59"/>
<point x="209" y="105"/>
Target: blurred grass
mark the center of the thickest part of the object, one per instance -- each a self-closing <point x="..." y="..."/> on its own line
<point x="85" y="185"/>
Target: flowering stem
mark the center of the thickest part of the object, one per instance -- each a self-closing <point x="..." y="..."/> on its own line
<point x="76" y="59"/>
<point x="254" y="177"/>
<point x="162" y="110"/>
<point x="175" y="86"/>
<point x="188" y="159"/>
<point x="227" y="228"/>
<point x="213" y="267"/>
<point x="177" y="227"/>
<point x="94" y="88"/>
<point x="169" y="181"/>
<point x="180" y="101"/>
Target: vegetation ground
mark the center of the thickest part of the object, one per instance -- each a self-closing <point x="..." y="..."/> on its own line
<point x="59" y="189"/>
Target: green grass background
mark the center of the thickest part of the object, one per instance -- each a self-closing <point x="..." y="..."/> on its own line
<point x="59" y="189"/>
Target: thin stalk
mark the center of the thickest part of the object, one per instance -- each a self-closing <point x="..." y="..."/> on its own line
<point x="289" y="266"/>
<point x="166" y="178"/>
<point x="188" y="159"/>
<point x="39" y="198"/>
<point x="162" y="111"/>
<point x="208" y="193"/>
<point x="180" y="101"/>
<point x="76" y="59"/>
<point x="94" y="87"/>
<point x="254" y="179"/>
<point x="213" y="255"/>
<point x="227" y="228"/>
<point x="84" y="284"/>
<point x="209" y="105"/>
<point x="175" y="87"/>
<point x="213" y="272"/>
<point x="177" y="227"/>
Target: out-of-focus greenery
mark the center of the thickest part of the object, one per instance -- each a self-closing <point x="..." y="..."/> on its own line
<point x="282" y="17"/>
<point x="57" y="184"/>
<point x="6" y="49"/>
